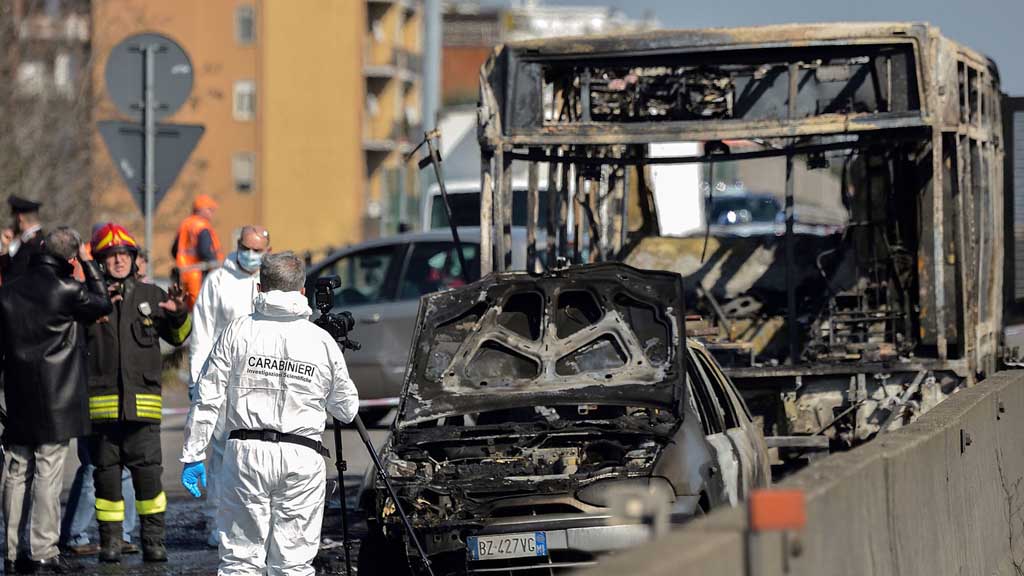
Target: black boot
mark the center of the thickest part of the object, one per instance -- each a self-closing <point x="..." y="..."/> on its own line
<point x="110" y="542"/>
<point x="153" y="536"/>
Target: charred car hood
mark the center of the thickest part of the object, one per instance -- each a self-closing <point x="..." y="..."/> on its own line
<point x="595" y="334"/>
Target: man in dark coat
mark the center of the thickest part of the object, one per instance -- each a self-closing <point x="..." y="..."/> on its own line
<point x="125" y="399"/>
<point x="18" y="245"/>
<point x="43" y="319"/>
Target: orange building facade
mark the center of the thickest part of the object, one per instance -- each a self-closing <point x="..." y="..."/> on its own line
<point x="306" y="113"/>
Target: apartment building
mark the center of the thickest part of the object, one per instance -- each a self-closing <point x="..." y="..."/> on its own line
<point x="308" y="108"/>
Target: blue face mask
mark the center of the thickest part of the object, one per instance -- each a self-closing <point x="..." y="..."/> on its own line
<point x="249" y="259"/>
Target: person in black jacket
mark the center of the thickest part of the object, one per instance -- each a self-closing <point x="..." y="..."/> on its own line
<point x="43" y="352"/>
<point x="125" y="399"/>
<point x="18" y="245"/>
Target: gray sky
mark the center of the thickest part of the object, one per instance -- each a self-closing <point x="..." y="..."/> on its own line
<point x="994" y="27"/>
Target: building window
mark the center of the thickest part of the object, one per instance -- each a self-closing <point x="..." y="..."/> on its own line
<point x="31" y="78"/>
<point x="245" y="100"/>
<point x="63" y="74"/>
<point x="372" y="105"/>
<point x="243" y="170"/>
<point x="245" y="24"/>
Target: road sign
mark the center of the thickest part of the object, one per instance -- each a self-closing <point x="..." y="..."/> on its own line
<point x="149" y="76"/>
<point x="125" y="142"/>
<point x="126" y="75"/>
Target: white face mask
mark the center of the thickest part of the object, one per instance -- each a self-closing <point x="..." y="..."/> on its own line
<point x="249" y="260"/>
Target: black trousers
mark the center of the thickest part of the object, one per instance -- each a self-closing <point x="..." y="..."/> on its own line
<point x="135" y="446"/>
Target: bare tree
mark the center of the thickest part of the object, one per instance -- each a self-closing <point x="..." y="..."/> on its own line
<point x="46" y="106"/>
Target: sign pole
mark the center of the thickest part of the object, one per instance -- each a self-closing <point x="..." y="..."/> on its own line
<point x="150" y="120"/>
<point x="148" y="77"/>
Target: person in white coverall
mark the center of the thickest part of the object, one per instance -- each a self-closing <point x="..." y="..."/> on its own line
<point x="275" y="376"/>
<point x="227" y="293"/>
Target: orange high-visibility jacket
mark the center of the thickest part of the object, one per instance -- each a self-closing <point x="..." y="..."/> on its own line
<point x="190" y="267"/>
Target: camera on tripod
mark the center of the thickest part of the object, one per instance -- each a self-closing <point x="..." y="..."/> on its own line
<point x="337" y="324"/>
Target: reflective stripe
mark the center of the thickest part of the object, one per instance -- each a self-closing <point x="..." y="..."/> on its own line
<point x="152" y="506"/>
<point x="109" y="510"/>
<point x="147" y="411"/>
<point x="104" y="407"/>
<point x="103" y="400"/>
<point x="179" y="334"/>
<point x="149" y="406"/>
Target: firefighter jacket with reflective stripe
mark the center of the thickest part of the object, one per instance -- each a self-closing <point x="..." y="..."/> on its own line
<point x="124" y="355"/>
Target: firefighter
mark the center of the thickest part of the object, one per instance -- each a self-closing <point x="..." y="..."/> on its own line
<point x="124" y="392"/>
<point x="197" y="248"/>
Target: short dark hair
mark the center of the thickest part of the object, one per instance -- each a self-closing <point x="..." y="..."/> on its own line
<point x="62" y="243"/>
<point x="282" y="271"/>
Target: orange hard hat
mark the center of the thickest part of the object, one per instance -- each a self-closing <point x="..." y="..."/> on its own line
<point x="112" y="236"/>
<point x="204" y="201"/>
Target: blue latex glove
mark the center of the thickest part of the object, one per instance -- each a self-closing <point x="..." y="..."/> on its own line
<point x="192" y="475"/>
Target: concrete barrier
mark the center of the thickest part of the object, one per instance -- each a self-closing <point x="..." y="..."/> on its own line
<point x="944" y="495"/>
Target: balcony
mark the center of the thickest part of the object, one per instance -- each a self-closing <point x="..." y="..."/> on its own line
<point x="396" y="140"/>
<point x="410" y="6"/>
<point x="402" y="64"/>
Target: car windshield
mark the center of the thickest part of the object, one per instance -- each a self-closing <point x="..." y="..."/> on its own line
<point x="436" y="266"/>
<point x="362" y="276"/>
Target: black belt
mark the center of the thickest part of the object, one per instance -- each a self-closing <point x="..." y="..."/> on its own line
<point x="275" y="436"/>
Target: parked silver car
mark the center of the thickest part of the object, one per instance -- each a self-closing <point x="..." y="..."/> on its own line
<point x="381" y="284"/>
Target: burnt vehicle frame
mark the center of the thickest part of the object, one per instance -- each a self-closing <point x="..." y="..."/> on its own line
<point x="533" y="403"/>
<point x="847" y="353"/>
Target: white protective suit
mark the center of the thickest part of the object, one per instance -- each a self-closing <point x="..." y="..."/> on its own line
<point x="227" y="293"/>
<point x="272" y="370"/>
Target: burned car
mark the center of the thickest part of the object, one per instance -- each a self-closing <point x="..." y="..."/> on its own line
<point x="535" y="405"/>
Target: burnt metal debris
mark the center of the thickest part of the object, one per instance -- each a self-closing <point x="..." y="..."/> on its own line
<point x="533" y="403"/>
<point x="870" y="289"/>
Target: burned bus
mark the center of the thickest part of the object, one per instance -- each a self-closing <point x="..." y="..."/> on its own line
<point x="831" y="194"/>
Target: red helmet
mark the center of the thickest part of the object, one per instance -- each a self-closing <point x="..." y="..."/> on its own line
<point x="112" y="236"/>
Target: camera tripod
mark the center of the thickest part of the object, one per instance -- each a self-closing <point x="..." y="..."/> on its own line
<point x="338" y="326"/>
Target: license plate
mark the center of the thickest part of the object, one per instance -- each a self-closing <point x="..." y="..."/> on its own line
<point x="508" y="546"/>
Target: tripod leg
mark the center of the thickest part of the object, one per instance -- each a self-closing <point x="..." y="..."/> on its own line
<point x="394" y="495"/>
<point x="342" y="496"/>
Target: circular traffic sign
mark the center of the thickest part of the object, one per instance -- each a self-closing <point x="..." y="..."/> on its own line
<point x="126" y="75"/>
